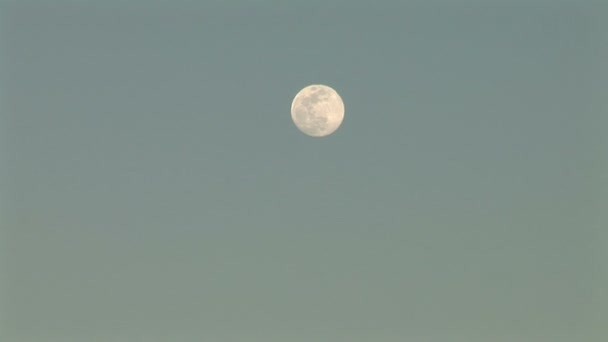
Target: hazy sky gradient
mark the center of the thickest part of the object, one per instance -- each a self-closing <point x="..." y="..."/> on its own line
<point x="153" y="187"/>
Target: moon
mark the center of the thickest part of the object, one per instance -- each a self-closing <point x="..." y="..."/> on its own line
<point x="317" y="110"/>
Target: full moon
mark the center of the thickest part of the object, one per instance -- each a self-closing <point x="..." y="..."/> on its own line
<point x="317" y="110"/>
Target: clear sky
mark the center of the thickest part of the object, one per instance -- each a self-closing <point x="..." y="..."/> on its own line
<point x="154" y="188"/>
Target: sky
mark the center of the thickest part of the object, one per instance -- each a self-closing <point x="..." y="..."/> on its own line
<point x="154" y="188"/>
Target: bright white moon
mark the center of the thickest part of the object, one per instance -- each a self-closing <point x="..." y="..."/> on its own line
<point x="317" y="110"/>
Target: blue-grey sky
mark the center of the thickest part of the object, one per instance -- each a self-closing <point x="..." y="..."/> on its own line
<point x="153" y="187"/>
